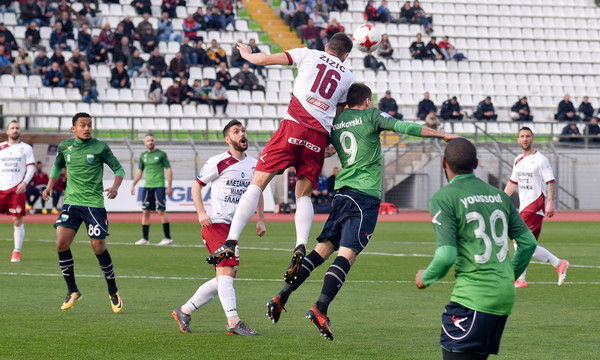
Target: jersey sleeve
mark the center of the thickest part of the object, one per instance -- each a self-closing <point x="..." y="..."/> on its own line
<point x="165" y="161"/>
<point x="109" y="159"/>
<point x="59" y="163"/>
<point x="444" y="222"/>
<point x="295" y="56"/>
<point x="385" y="121"/>
<point x="546" y="171"/>
<point x="208" y="173"/>
<point x="513" y="176"/>
<point x="141" y="165"/>
<point x="30" y="158"/>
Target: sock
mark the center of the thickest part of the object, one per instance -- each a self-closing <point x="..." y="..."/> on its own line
<point x="542" y="254"/>
<point x="303" y="219"/>
<point x="167" y="230"/>
<point x="107" y="268"/>
<point x="205" y="293"/>
<point x="311" y="262"/>
<point x="65" y="260"/>
<point x="334" y="279"/>
<point x="227" y="295"/>
<point x="19" y="235"/>
<point x="244" y="211"/>
<point x="522" y="276"/>
<point x="145" y="230"/>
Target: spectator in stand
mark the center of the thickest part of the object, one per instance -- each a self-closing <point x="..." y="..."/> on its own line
<point x="255" y="50"/>
<point x="291" y="178"/>
<point x="87" y="88"/>
<point x="119" y="78"/>
<point x="319" y="20"/>
<point x="58" y="38"/>
<point x="77" y="58"/>
<point x="156" y="94"/>
<point x="407" y="15"/>
<point x="485" y="110"/>
<point x="236" y="59"/>
<point x="143" y="7"/>
<point x="334" y="28"/>
<point x="52" y="76"/>
<point x="30" y="12"/>
<point x="135" y="65"/>
<point x="142" y="26"/>
<point x="23" y="63"/>
<point x="320" y="193"/>
<point x="41" y="63"/>
<point x="566" y="110"/>
<point x="331" y="180"/>
<point x="48" y="11"/>
<point x="165" y="30"/>
<point x="421" y="18"/>
<point x="246" y="80"/>
<point x="35" y="188"/>
<point x="190" y="27"/>
<point x="223" y="76"/>
<point x="84" y="38"/>
<point x="67" y="25"/>
<point x="425" y="107"/>
<point x="148" y="41"/>
<point x="187" y="92"/>
<point x="432" y="51"/>
<point x="218" y="96"/>
<point x="169" y="6"/>
<point x="322" y="10"/>
<point x="300" y="20"/>
<point x="108" y="39"/>
<point x="70" y="75"/>
<point x="58" y="190"/>
<point x="216" y="54"/>
<point x="520" y="110"/>
<point x="123" y="51"/>
<point x="571" y="134"/>
<point x="97" y="52"/>
<point x="385" y="49"/>
<point x="446" y="48"/>
<point x="177" y="67"/>
<point x="173" y="94"/>
<point x="338" y="5"/>
<point x="287" y="9"/>
<point x="92" y="17"/>
<point x="157" y="64"/>
<point x="431" y="121"/>
<point x="311" y="33"/>
<point x="417" y="48"/>
<point x="200" y="18"/>
<point x="4" y="43"/>
<point x="201" y="92"/>
<point x="11" y="43"/>
<point x="188" y="52"/>
<point x="451" y="110"/>
<point x="7" y="6"/>
<point x="586" y="110"/>
<point x="592" y="130"/>
<point x="227" y="17"/>
<point x="371" y="62"/>
<point x="322" y="40"/>
<point x="6" y="66"/>
<point x="202" y="56"/>
<point x="58" y="57"/>
<point x="388" y="105"/>
<point x="213" y="19"/>
<point x="371" y="11"/>
<point x="33" y="38"/>
<point x="385" y="15"/>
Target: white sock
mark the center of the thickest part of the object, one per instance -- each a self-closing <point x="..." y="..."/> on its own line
<point x="522" y="276"/>
<point x="19" y="235"/>
<point x="205" y="293"/>
<point x="303" y="219"/>
<point x="244" y="211"/>
<point x="546" y="256"/>
<point x="227" y="295"/>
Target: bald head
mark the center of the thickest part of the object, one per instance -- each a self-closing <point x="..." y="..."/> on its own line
<point x="461" y="156"/>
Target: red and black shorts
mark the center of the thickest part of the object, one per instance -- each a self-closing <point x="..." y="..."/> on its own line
<point x="12" y="203"/>
<point x="214" y="236"/>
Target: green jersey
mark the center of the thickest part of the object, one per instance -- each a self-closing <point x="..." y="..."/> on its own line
<point x="478" y="220"/>
<point x="155" y="163"/>
<point x="355" y="136"/>
<point x="84" y="160"/>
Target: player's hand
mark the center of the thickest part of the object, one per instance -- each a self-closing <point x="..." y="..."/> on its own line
<point x="330" y="151"/>
<point x="111" y="192"/>
<point x="549" y="212"/>
<point x="21" y="188"/>
<point x="449" y="137"/>
<point x="419" y="280"/>
<point x="169" y="191"/>
<point x="133" y="190"/>
<point x="46" y="194"/>
<point x="244" y="49"/>
<point x="204" y="220"/>
<point x="260" y="228"/>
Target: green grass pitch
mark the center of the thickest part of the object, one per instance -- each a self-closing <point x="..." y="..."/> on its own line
<point x="378" y="314"/>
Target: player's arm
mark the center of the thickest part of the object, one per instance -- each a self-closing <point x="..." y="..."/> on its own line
<point x="261" y="229"/>
<point x="262" y="58"/>
<point x="115" y="166"/>
<point x="136" y="179"/>
<point x="510" y="188"/>
<point x="203" y="218"/>
<point x="549" y="211"/>
<point x="59" y="164"/>
<point x="444" y="258"/>
<point x="28" y="176"/>
<point x="169" y="181"/>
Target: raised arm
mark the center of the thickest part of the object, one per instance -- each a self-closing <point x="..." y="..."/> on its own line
<point x="262" y="58"/>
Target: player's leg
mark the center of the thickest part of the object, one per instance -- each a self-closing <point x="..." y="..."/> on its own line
<point x="148" y="205"/>
<point x="17" y="208"/>
<point x="64" y="238"/>
<point x="161" y="206"/>
<point x="19" y="236"/>
<point x="205" y="293"/>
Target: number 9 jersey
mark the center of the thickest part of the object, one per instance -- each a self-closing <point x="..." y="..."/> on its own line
<point x="322" y="83"/>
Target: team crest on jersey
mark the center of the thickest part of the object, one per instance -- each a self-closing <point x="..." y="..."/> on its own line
<point x="243" y="175"/>
<point x="155" y="158"/>
<point x="90" y="158"/>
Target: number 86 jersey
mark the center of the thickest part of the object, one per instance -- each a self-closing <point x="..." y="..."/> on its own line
<point x="322" y="83"/>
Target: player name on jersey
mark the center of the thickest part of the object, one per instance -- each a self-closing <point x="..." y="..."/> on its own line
<point x="469" y="200"/>
<point x="347" y="124"/>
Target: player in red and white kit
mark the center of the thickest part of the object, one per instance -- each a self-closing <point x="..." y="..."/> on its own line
<point x="533" y="176"/>
<point x="319" y="94"/>
<point x="229" y="175"/>
<point x="16" y="170"/>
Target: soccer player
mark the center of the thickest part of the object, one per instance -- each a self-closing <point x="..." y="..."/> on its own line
<point x="351" y="224"/>
<point x="84" y="159"/>
<point x="473" y="222"/>
<point x="155" y="162"/>
<point x="533" y="176"/>
<point x="229" y="175"/>
<point x="319" y="94"/>
<point x="16" y="170"/>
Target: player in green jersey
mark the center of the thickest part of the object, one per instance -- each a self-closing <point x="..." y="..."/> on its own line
<point x="155" y="162"/>
<point x="355" y="136"/>
<point x="84" y="159"/>
<point x="473" y="222"/>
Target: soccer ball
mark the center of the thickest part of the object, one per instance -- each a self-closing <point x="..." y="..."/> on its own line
<point x="366" y="38"/>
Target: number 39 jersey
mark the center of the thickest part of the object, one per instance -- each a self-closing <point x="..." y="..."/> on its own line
<point x="478" y="220"/>
<point x="322" y="83"/>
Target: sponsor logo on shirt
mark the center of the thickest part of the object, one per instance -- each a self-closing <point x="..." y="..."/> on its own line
<point x="318" y="103"/>
<point x="304" y="143"/>
<point x="434" y="218"/>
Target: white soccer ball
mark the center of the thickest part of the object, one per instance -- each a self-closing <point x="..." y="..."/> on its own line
<point x="366" y="38"/>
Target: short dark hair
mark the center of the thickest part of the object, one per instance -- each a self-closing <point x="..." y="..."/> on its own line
<point x="229" y="125"/>
<point x="340" y="44"/>
<point x="149" y="133"/>
<point x="357" y="94"/>
<point x="526" y="128"/>
<point x="461" y="156"/>
<point x="79" y="116"/>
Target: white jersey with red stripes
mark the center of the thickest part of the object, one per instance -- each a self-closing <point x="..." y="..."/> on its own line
<point x="322" y="83"/>
<point x="13" y="163"/>
<point x="229" y="178"/>
<point x="532" y="173"/>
